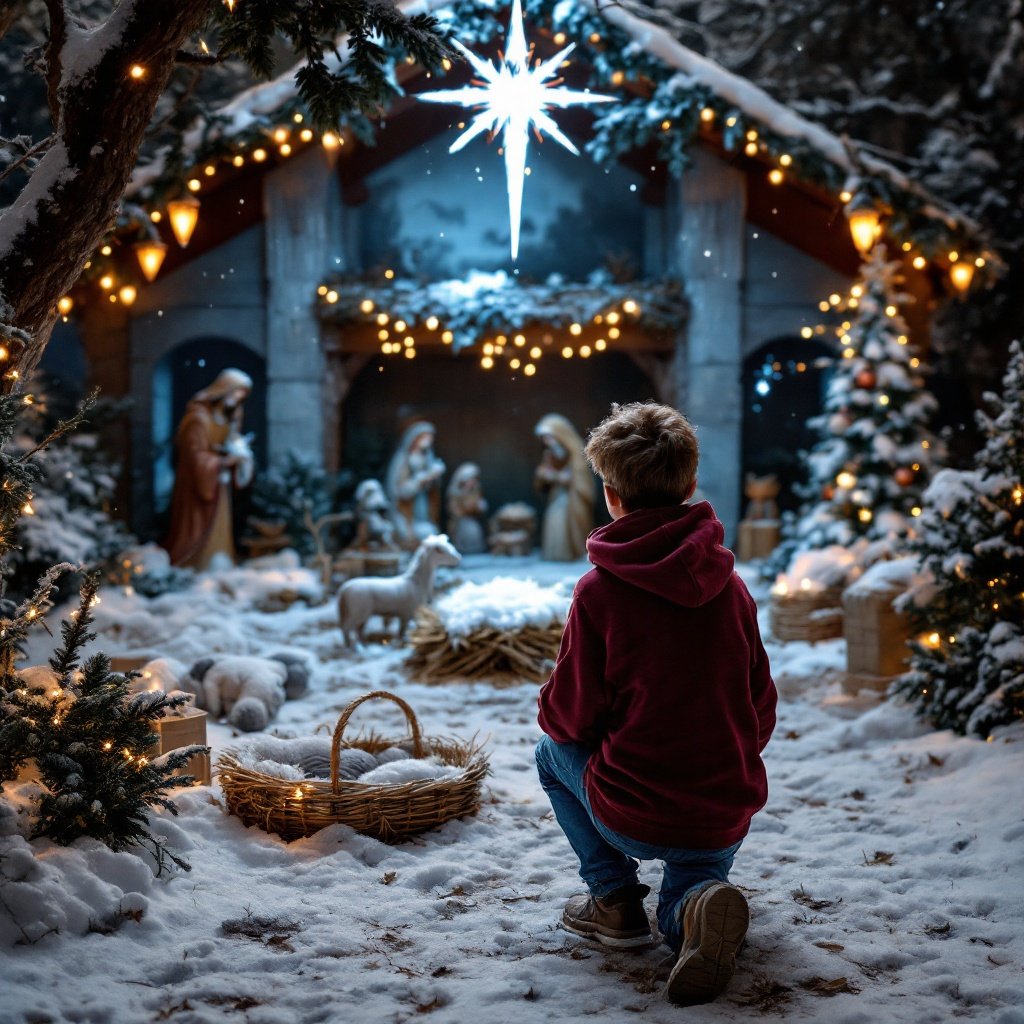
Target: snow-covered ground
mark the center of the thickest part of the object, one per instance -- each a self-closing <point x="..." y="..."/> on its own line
<point x="885" y="875"/>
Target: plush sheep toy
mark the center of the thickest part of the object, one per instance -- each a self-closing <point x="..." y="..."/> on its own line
<point x="248" y="691"/>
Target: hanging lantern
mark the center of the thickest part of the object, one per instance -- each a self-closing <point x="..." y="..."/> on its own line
<point x="150" y="255"/>
<point x="961" y="274"/>
<point x="865" y="225"/>
<point x="184" y="214"/>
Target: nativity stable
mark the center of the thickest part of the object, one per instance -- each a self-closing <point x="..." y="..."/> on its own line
<point x="364" y="279"/>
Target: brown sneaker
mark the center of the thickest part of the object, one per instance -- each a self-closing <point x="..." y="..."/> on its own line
<point x="618" y="919"/>
<point x="714" y="924"/>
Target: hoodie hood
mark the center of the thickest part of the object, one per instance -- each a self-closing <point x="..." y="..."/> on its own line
<point x="674" y="552"/>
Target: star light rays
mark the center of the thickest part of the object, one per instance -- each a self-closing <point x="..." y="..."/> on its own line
<point x="514" y="98"/>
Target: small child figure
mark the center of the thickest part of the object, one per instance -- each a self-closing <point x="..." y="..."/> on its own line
<point x="658" y="709"/>
<point x="466" y="503"/>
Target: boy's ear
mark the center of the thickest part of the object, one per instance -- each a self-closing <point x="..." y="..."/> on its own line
<point x="611" y="497"/>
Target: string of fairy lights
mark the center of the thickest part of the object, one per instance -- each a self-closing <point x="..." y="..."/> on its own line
<point x="133" y="254"/>
<point x="505" y="324"/>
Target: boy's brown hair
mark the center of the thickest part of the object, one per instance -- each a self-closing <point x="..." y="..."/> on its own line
<point x="647" y="453"/>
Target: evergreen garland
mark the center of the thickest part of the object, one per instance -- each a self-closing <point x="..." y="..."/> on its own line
<point x="967" y="666"/>
<point x="656" y="105"/>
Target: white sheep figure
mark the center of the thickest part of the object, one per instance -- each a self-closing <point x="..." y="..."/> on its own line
<point x="394" y="597"/>
<point x="248" y="691"/>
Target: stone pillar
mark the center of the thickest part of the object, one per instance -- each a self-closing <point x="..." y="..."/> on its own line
<point x="301" y="204"/>
<point x="710" y="259"/>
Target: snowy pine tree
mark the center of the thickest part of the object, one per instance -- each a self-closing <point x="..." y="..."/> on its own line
<point x="68" y="515"/>
<point x="876" y="454"/>
<point x="87" y="733"/>
<point x="287" y="492"/>
<point x="967" y="669"/>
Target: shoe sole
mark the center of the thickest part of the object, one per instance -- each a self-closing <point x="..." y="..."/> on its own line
<point x="703" y="973"/>
<point x="623" y="941"/>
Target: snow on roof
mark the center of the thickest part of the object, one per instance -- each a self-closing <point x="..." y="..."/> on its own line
<point x="266" y="99"/>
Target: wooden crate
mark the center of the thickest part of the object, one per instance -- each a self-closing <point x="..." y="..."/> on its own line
<point x="876" y="634"/>
<point x="809" y="615"/>
<point x="382" y="563"/>
<point x="131" y="663"/>
<point x="758" y="538"/>
<point x="183" y="728"/>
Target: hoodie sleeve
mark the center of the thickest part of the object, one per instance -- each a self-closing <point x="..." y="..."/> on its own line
<point x="762" y="690"/>
<point x="574" y="700"/>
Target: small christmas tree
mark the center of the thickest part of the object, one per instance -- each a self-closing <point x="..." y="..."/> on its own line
<point x="875" y="456"/>
<point x="967" y="668"/>
<point x="88" y="735"/>
<point x="295" y="490"/>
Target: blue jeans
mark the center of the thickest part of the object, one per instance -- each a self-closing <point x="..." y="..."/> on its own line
<point x="608" y="860"/>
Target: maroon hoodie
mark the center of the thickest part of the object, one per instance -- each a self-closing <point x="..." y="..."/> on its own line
<point x="662" y="673"/>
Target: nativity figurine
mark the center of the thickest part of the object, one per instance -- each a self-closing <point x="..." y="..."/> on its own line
<point x="565" y="478"/>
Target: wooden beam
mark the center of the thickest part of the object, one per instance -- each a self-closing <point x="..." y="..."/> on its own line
<point x="349" y="339"/>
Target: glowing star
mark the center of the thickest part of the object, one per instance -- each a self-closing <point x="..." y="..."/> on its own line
<point x="515" y="97"/>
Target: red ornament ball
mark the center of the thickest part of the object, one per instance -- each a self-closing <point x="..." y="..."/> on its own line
<point x="827" y="492"/>
<point x="904" y="476"/>
<point x="865" y="379"/>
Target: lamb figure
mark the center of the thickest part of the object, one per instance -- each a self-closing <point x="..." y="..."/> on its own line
<point x="248" y="691"/>
<point x="394" y="597"/>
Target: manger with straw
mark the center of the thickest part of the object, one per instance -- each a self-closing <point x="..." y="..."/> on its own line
<point x="505" y="631"/>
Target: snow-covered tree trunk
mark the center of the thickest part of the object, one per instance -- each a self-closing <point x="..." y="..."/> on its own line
<point x="99" y="112"/>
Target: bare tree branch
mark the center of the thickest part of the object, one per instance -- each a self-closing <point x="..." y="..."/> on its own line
<point x="54" y="68"/>
<point x="37" y="148"/>
<point x="204" y="59"/>
<point x="10" y="12"/>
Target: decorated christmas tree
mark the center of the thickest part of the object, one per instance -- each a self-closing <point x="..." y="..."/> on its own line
<point x="967" y="669"/>
<point x="876" y="455"/>
<point x="88" y="735"/>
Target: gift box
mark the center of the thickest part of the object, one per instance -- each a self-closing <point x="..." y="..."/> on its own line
<point x="758" y="538"/>
<point x="184" y="727"/>
<point x="808" y="615"/>
<point x="876" y="633"/>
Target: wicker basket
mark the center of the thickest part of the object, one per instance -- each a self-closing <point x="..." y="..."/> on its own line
<point x="807" y="615"/>
<point x="390" y="813"/>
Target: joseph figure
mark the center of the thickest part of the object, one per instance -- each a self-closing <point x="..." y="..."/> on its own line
<point x="212" y="459"/>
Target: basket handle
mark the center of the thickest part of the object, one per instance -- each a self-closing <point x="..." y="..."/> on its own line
<point x="339" y="731"/>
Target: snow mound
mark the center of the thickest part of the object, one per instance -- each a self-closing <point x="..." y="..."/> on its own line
<point x="502" y="603"/>
<point x="818" y="570"/>
<point x="884" y="577"/>
<point x="48" y="890"/>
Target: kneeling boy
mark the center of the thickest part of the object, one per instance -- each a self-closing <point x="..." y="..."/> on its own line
<point x="658" y="708"/>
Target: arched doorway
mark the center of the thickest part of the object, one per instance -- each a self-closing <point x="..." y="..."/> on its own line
<point x="783" y="387"/>
<point x="182" y="372"/>
<point x="482" y="417"/>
